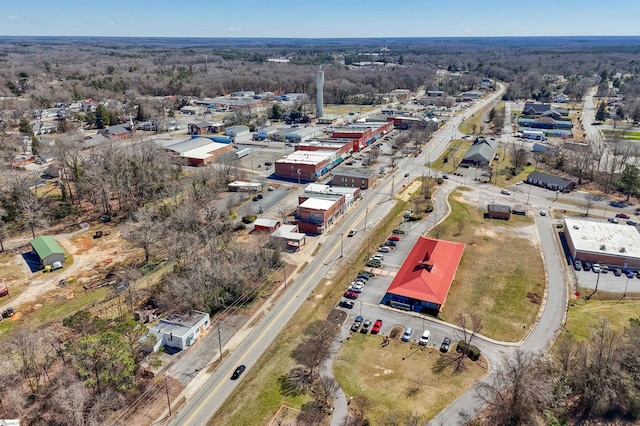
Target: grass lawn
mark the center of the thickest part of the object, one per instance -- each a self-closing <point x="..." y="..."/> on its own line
<point x="492" y="279"/>
<point x="472" y="125"/>
<point x="346" y="109"/>
<point x="365" y="368"/>
<point x="455" y="151"/>
<point x="584" y="315"/>
<point x="622" y="134"/>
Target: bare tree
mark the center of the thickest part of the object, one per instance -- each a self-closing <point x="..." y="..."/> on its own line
<point x="146" y="231"/>
<point x="518" y="393"/>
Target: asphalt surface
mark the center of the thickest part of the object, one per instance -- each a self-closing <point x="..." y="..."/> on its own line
<point x="218" y="387"/>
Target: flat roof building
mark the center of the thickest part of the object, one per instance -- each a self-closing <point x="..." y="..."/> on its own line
<point x="180" y="331"/>
<point x="603" y="242"/>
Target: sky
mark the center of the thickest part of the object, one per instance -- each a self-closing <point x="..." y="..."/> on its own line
<point x="319" y="19"/>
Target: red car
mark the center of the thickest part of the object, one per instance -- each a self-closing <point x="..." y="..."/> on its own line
<point x="376" y="327"/>
<point x="394" y="238"/>
<point x="622" y="216"/>
<point x="351" y="295"/>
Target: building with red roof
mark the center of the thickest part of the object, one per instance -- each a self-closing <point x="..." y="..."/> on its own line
<point x="424" y="279"/>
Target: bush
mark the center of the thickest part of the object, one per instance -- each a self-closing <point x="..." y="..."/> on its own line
<point x="439" y="181"/>
<point x="239" y="227"/>
<point x="415" y="217"/>
<point x="249" y="218"/>
<point x="373" y="264"/>
<point x="233" y="214"/>
<point x="560" y="225"/>
<point x="429" y="209"/>
<point x="473" y="352"/>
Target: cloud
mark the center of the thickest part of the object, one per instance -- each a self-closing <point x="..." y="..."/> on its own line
<point x="232" y="29"/>
<point x="15" y="18"/>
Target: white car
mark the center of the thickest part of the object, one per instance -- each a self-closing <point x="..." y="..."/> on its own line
<point x="519" y="182"/>
<point x="543" y="212"/>
<point x="352" y="233"/>
<point x="356" y="287"/>
<point x="384" y="249"/>
<point x="596" y="268"/>
<point x="424" y="339"/>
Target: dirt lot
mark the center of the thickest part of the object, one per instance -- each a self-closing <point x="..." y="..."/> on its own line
<point x="89" y="260"/>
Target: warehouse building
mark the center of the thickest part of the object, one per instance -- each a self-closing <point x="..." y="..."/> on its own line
<point x="196" y="151"/>
<point x="603" y="242"/>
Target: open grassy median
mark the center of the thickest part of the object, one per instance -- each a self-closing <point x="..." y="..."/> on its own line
<point x="501" y="275"/>
<point x="397" y="378"/>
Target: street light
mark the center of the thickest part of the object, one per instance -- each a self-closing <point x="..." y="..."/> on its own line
<point x="366" y="214"/>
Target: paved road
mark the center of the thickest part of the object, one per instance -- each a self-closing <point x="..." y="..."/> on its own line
<point x="217" y="388"/>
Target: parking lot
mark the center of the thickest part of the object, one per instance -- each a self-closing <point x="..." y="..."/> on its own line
<point x="367" y="305"/>
<point x="607" y="281"/>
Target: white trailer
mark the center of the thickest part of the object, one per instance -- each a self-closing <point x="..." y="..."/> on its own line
<point x="243" y="152"/>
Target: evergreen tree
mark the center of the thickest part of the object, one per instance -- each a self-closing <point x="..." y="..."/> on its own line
<point x="25" y="127"/>
<point x="102" y="117"/>
<point x="35" y="145"/>
<point x="141" y="115"/>
<point x="601" y="113"/>
<point x="629" y="180"/>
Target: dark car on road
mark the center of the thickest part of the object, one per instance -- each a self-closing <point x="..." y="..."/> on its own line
<point x="398" y="231"/>
<point x="389" y="243"/>
<point x="444" y="346"/>
<point x="365" y="326"/>
<point x="237" y="372"/>
<point x="622" y="215"/>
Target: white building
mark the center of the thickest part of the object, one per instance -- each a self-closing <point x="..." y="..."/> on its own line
<point x="180" y="331"/>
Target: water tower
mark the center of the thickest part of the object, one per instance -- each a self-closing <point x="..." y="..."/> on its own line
<point x="319" y="92"/>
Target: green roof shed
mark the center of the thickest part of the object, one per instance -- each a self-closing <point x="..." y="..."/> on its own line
<point x="48" y="250"/>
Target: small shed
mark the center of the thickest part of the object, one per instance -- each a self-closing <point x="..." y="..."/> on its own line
<point x="265" y="225"/>
<point x="235" y="131"/>
<point x="48" y="250"/>
<point x="498" y="211"/>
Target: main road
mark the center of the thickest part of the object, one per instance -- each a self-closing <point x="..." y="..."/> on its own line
<point x="218" y="387"/>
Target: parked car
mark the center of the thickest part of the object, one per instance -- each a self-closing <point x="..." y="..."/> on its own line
<point x="444" y="346"/>
<point x="622" y="215"/>
<point x="586" y="266"/>
<point x="268" y="163"/>
<point x="543" y="212"/>
<point x="505" y="192"/>
<point x="270" y="188"/>
<point x="407" y="334"/>
<point x="519" y="182"/>
<point x="394" y="238"/>
<point x="365" y="326"/>
<point x="613" y="220"/>
<point x="355" y="326"/>
<point x="255" y="198"/>
<point x="378" y="257"/>
<point x="350" y="294"/>
<point x="356" y="288"/>
<point x="577" y="265"/>
<point x="424" y="339"/>
<point x="384" y="249"/>
<point x="596" y="268"/>
<point x="406" y="175"/>
<point x="398" y="231"/>
<point x="390" y="243"/>
<point x="631" y="222"/>
<point x="376" y="327"/>
<point x="345" y="303"/>
<point x="352" y="233"/>
<point x="617" y="272"/>
<point x="629" y="273"/>
<point x="238" y="371"/>
<point x="363" y="277"/>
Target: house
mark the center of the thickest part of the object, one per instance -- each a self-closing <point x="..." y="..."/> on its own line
<point x="180" y="331"/>
<point x="204" y="127"/>
<point x="425" y="277"/>
<point x="498" y="211"/>
<point x="554" y="183"/>
<point x="561" y="98"/>
<point x="265" y="132"/>
<point x="48" y="250"/>
<point x="481" y="153"/>
<point x="192" y="110"/>
<point x="535" y="109"/>
<point x="118" y="132"/>
<point x="235" y="131"/>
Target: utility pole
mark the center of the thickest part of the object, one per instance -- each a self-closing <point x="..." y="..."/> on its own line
<point x="284" y="271"/>
<point x="366" y="213"/>
<point x="166" y="389"/>
<point x="341" y="243"/>
<point x="219" y="341"/>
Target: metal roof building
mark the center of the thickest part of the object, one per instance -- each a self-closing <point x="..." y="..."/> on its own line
<point x="48" y="250"/>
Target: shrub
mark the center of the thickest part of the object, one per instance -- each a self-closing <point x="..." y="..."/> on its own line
<point x="249" y="218"/>
<point x="429" y="209"/>
<point x="439" y="181"/>
<point x="239" y="227"/>
<point x="233" y="214"/>
<point x="373" y="264"/>
<point x="560" y="225"/>
<point x="415" y="217"/>
<point x="473" y="352"/>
